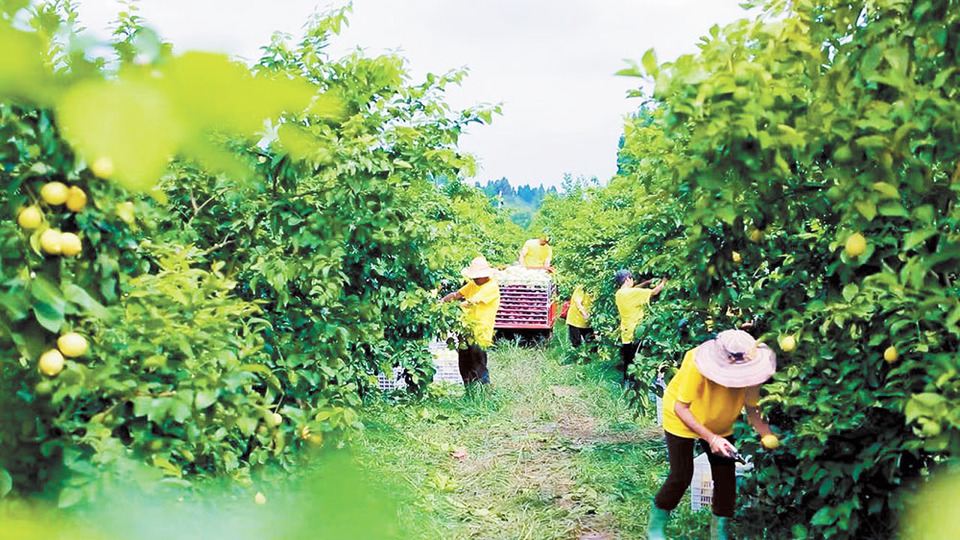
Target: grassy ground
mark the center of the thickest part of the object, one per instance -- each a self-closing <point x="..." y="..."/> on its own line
<point x="552" y="451"/>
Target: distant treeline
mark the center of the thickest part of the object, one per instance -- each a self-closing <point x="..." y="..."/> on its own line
<point x="521" y="201"/>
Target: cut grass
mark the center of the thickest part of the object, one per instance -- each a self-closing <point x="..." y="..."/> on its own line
<point x="553" y="451"/>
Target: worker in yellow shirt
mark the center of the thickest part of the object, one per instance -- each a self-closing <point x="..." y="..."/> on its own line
<point x="578" y="317"/>
<point x="480" y="301"/>
<point x="536" y="253"/>
<point x="632" y="299"/>
<point x="716" y="382"/>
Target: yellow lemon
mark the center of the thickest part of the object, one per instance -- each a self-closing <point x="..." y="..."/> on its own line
<point x="30" y="217"/>
<point x="260" y="498"/>
<point x="50" y="241"/>
<point x="51" y="363"/>
<point x="73" y="344"/>
<point x="76" y="199"/>
<point x="54" y="193"/>
<point x="711" y="270"/>
<point x="103" y="167"/>
<point x="890" y="354"/>
<point x="70" y="244"/>
<point x="736" y="257"/>
<point x="755" y="235"/>
<point x="855" y="246"/>
<point x="788" y="343"/>
<point x="770" y="441"/>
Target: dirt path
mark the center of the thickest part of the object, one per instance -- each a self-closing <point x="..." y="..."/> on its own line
<point x="529" y="459"/>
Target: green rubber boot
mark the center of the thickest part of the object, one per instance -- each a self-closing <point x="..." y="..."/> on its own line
<point x="718" y="528"/>
<point x="658" y="523"/>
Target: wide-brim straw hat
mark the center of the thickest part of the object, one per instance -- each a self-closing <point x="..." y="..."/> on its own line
<point x="735" y="360"/>
<point x="479" y="268"/>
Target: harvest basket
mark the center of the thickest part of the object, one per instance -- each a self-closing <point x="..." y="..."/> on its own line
<point x="701" y="487"/>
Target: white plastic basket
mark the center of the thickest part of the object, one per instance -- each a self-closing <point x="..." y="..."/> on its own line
<point x="701" y="487"/>
<point x="447" y="363"/>
<point x="386" y="384"/>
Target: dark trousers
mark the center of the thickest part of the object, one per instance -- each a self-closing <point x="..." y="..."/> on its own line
<point x="722" y="469"/>
<point x="579" y="336"/>
<point x="628" y="351"/>
<point x="473" y="364"/>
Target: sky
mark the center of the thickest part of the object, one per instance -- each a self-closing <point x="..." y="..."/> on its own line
<point x="551" y="64"/>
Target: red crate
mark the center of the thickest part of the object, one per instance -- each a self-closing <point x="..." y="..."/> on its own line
<point x="526" y="306"/>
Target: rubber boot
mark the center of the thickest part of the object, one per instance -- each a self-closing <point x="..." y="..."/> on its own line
<point x="718" y="528"/>
<point x="658" y="523"/>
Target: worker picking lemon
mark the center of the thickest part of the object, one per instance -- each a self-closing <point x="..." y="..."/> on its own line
<point x="717" y="380"/>
<point x="480" y="301"/>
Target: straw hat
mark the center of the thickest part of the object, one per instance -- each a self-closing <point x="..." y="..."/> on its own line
<point x="479" y="268"/>
<point x="735" y="360"/>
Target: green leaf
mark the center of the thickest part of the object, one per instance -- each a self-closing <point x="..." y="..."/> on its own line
<point x="205" y="398"/>
<point x="49" y="304"/>
<point x="69" y="496"/>
<point x="650" y="63"/>
<point x="915" y="238"/>
<point x="823" y="517"/>
<point x="887" y="190"/>
<point x="867" y="209"/>
<point x="6" y="483"/>
<point x="850" y="291"/>
<point x="77" y="295"/>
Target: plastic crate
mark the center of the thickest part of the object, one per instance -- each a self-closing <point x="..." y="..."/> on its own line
<point x="385" y="383"/>
<point x="447" y="363"/>
<point x="701" y="487"/>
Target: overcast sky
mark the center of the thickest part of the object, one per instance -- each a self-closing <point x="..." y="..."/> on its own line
<point x="551" y="63"/>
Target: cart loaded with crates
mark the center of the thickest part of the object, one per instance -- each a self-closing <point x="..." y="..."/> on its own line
<point x="527" y="300"/>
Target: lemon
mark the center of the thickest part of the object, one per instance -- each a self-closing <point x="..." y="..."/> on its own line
<point x="711" y="270"/>
<point x="73" y="344"/>
<point x="30" y="217"/>
<point x="50" y="241"/>
<point x="770" y="441"/>
<point x="70" y="244"/>
<point x="103" y="167"/>
<point x="755" y="235"/>
<point x="274" y="419"/>
<point x="890" y="354"/>
<point x="54" y="193"/>
<point x="855" y="246"/>
<point x="788" y="343"/>
<point x="736" y="257"/>
<point x="76" y="199"/>
<point x="260" y="498"/>
<point x="51" y="363"/>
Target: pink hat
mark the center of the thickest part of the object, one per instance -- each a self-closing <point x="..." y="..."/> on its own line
<point x="735" y="360"/>
<point x="479" y="268"/>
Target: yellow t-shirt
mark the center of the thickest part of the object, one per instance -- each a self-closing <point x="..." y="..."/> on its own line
<point x="630" y="304"/>
<point x="716" y="407"/>
<point x="574" y="316"/>
<point x="537" y="255"/>
<point x="480" y="306"/>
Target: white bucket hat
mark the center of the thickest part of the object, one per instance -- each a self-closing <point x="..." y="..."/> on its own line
<point x="479" y="268"/>
<point x="735" y="360"/>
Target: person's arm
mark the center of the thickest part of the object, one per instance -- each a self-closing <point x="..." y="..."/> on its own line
<point x="644" y="283"/>
<point x="523" y="255"/>
<point x="718" y="444"/>
<point x="656" y="290"/>
<point x="753" y="412"/>
<point x="455" y="295"/>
